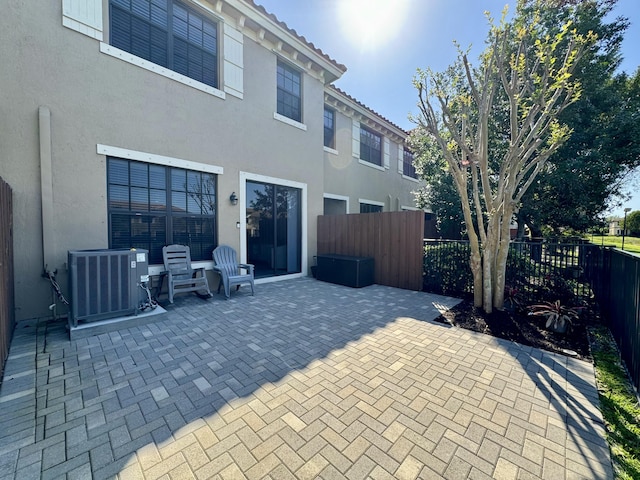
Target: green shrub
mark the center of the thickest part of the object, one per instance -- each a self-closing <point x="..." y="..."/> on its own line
<point x="446" y="271"/>
<point x="446" y="268"/>
<point x="520" y="268"/>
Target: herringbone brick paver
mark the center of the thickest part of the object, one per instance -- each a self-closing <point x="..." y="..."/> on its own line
<point x="304" y="380"/>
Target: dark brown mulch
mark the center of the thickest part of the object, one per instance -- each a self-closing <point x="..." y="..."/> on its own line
<point x="525" y="329"/>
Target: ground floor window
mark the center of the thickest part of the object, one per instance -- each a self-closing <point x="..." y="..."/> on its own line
<point x="370" y="208"/>
<point x="150" y="206"/>
<point x="274" y="228"/>
<point x="334" y="206"/>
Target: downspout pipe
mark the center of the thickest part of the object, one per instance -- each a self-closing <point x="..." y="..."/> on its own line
<point x="46" y="188"/>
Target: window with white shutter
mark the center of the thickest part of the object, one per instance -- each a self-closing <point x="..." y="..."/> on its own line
<point x="233" y="61"/>
<point x="386" y="152"/>
<point x="84" y="16"/>
<point x="355" y="139"/>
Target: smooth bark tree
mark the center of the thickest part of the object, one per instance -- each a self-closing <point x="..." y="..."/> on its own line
<point x="524" y="81"/>
<point x="584" y="178"/>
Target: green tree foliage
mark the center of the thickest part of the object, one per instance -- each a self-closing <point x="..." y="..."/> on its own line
<point x="633" y="223"/>
<point x="440" y="195"/>
<point x="583" y="177"/>
<point x="585" y="174"/>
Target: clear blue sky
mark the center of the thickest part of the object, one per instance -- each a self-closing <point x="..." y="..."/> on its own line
<point x="383" y="42"/>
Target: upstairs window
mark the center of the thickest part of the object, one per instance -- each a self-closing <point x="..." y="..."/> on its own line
<point x="169" y="34"/>
<point x="370" y="146"/>
<point x="329" y="128"/>
<point x="151" y="206"/>
<point x="289" y="92"/>
<point x="408" y="169"/>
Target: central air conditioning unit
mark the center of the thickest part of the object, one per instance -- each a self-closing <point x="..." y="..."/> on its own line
<point x="106" y="283"/>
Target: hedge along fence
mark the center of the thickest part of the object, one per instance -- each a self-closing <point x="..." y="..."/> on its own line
<point x="535" y="271"/>
<point x="7" y="320"/>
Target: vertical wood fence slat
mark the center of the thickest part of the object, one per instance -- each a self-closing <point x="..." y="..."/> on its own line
<point x="7" y="320"/>
<point x="393" y="239"/>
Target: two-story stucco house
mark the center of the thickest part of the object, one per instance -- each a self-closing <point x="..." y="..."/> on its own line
<point x="367" y="167"/>
<point x="142" y="123"/>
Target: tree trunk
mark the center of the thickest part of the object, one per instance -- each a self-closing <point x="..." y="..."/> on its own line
<point x="476" y="270"/>
<point x="501" y="261"/>
<point x="487" y="274"/>
<point x="475" y="259"/>
<point x="490" y="261"/>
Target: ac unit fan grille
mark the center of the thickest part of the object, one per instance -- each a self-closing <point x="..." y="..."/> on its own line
<point x="104" y="283"/>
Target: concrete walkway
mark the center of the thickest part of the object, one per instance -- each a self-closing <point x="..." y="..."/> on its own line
<point x="304" y="380"/>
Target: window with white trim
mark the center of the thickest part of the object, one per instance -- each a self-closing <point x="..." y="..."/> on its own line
<point x="150" y="206"/>
<point x="329" y="127"/>
<point x="289" y="95"/>
<point x="370" y="208"/>
<point x="370" y="146"/>
<point x="167" y="33"/>
<point x="408" y="169"/>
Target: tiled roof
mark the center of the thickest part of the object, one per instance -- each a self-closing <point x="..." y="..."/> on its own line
<point x="272" y="17"/>
<point x="342" y="92"/>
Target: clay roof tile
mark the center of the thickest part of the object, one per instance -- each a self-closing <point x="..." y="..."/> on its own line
<point x="271" y="16"/>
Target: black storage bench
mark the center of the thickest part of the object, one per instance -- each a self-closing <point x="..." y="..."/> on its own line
<point x="345" y="270"/>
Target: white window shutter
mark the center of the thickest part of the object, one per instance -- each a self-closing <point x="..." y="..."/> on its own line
<point x="84" y="16"/>
<point x="233" y="61"/>
<point x="356" y="139"/>
<point x="386" y="153"/>
<point x="400" y="159"/>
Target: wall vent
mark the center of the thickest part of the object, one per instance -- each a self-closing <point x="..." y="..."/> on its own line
<point x="105" y="283"/>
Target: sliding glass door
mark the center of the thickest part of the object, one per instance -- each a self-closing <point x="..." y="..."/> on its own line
<point x="274" y="228"/>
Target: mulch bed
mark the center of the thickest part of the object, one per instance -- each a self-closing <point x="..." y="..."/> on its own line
<point x="525" y="329"/>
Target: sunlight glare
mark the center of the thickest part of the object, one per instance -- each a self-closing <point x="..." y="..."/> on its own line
<point x="368" y="24"/>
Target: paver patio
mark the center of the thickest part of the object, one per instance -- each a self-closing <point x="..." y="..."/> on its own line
<point x="304" y="380"/>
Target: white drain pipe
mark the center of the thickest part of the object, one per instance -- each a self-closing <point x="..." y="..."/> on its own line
<point x="46" y="188"/>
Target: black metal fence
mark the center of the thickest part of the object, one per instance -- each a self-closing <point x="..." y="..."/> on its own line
<point x="618" y="293"/>
<point x="535" y="270"/>
<point x="554" y="271"/>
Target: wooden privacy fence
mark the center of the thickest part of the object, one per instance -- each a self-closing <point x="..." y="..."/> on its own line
<point x="6" y="271"/>
<point x="393" y="239"/>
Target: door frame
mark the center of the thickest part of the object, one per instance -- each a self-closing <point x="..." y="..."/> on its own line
<point x="246" y="176"/>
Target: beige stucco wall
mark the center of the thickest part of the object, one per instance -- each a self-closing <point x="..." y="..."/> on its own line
<point x="97" y="99"/>
<point x="345" y="175"/>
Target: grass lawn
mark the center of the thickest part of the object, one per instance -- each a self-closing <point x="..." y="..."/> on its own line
<point x="631" y="244"/>
<point x="619" y="404"/>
